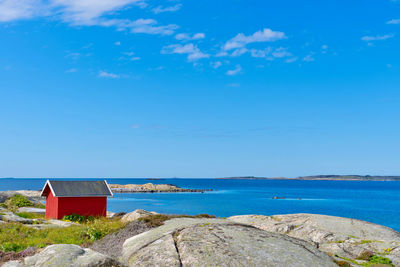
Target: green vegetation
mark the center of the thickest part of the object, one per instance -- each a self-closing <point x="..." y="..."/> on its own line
<point x="30" y="215"/>
<point x="78" y="218"/>
<point x="19" y="201"/>
<point x="156" y="220"/>
<point x="380" y="260"/>
<point x="371" y="261"/>
<point x="17" y="237"/>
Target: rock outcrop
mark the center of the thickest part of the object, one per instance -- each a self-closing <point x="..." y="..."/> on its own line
<point x="136" y="214"/>
<point x="8" y="216"/>
<point x="32" y="195"/>
<point x="151" y="188"/>
<point x="347" y="238"/>
<point x="216" y="242"/>
<point x="31" y="210"/>
<point x="68" y="256"/>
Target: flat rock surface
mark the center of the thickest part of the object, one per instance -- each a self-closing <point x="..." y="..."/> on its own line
<point x="66" y="256"/>
<point x="216" y="242"/>
<point x="8" y="216"/>
<point x="31" y="210"/>
<point x="345" y="237"/>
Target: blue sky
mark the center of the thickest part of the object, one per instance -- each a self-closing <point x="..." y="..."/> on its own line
<point x="145" y="88"/>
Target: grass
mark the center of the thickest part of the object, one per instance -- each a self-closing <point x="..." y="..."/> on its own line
<point x="156" y="220"/>
<point x="30" y="215"/>
<point x="17" y="237"/>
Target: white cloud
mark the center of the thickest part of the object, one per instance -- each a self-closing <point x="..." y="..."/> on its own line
<point x="161" y="9"/>
<point x="71" y="70"/>
<point x="393" y="21"/>
<point x="281" y="52"/>
<point x="377" y="37"/>
<point x="324" y="47"/>
<point x="192" y="51"/>
<point x="309" y="58"/>
<point x="216" y="64"/>
<point x="235" y="71"/>
<point x="84" y="12"/>
<point x="260" y="53"/>
<point x="117" y="43"/>
<point x="291" y="60"/>
<point x="19" y="9"/>
<point x="239" y="52"/>
<point x="104" y="74"/>
<point x="148" y="26"/>
<point x="241" y="40"/>
<point x="88" y="12"/>
<point x="187" y="37"/>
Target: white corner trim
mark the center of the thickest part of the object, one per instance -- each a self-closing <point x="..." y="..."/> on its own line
<point x="112" y="195"/>
<point x="51" y="188"/>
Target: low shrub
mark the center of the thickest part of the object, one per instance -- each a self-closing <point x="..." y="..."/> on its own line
<point x="375" y="259"/>
<point x="78" y="218"/>
<point x="19" y="201"/>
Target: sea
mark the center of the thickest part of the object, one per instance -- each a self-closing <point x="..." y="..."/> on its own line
<point x="377" y="202"/>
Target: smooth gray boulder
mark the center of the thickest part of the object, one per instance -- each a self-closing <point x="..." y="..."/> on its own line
<point x="8" y="216"/>
<point x="69" y="256"/>
<point x="31" y="210"/>
<point x="217" y="242"/>
<point x="136" y="214"/>
<point x="348" y="238"/>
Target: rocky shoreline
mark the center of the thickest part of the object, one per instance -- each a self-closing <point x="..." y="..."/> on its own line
<point x="152" y="188"/>
<point x="152" y="239"/>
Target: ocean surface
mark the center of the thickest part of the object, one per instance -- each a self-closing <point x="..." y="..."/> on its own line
<point x="377" y="202"/>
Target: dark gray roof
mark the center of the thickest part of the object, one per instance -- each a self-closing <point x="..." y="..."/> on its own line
<point x="79" y="188"/>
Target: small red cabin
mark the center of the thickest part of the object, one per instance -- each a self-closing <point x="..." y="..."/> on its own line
<point x="87" y="198"/>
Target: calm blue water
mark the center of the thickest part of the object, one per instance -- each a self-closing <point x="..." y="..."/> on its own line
<point x="377" y="202"/>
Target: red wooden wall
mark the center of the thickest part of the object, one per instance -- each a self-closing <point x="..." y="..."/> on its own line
<point x="58" y="207"/>
<point x="88" y="206"/>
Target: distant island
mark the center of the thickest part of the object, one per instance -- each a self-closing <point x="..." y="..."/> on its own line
<point x="321" y="177"/>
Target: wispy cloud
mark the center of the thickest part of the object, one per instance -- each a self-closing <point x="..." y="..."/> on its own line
<point x="71" y="70"/>
<point x="88" y="12"/>
<point x="309" y="58"/>
<point x="84" y="13"/>
<point x="241" y="40"/>
<point x="147" y="26"/>
<point x="161" y="9"/>
<point x="235" y="71"/>
<point x="192" y="51"/>
<point x="19" y="9"/>
<point x="104" y="74"/>
<point x="377" y="37"/>
<point x="216" y="64"/>
<point x="187" y="37"/>
<point x="393" y="21"/>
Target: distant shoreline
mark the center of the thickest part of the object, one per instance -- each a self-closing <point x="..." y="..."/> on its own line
<point x="321" y="178"/>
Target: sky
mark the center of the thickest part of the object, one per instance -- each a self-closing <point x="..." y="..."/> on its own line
<point x="178" y="88"/>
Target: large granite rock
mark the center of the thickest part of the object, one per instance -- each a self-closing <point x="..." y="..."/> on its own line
<point x="136" y="214"/>
<point x="216" y="242"/>
<point x="347" y="238"/>
<point x="66" y="256"/>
